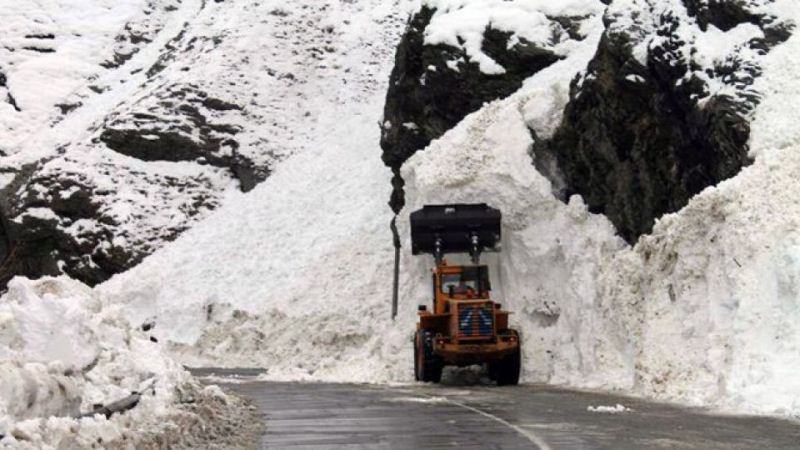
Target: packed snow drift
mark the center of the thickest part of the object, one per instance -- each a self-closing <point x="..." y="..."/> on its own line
<point x="69" y="364"/>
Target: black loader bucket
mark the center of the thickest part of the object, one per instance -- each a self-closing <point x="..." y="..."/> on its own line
<point x="459" y="228"/>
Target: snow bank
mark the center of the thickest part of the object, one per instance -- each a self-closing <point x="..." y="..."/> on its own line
<point x="721" y="276"/>
<point x="62" y="352"/>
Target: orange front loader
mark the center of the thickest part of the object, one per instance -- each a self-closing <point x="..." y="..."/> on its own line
<point x="464" y="325"/>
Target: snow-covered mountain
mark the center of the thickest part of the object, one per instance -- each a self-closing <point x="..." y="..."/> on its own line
<point x="118" y="137"/>
<point x="643" y="153"/>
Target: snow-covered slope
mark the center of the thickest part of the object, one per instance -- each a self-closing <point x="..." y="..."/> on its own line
<point x="147" y="144"/>
<point x="309" y="249"/>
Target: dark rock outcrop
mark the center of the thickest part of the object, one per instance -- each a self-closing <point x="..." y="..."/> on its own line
<point x="55" y="221"/>
<point x="433" y="87"/>
<point x="156" y="164"/>
<point x="636" y="142"/>
<point x="189" y="134"/>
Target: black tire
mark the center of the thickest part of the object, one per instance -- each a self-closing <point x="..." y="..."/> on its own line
<point x="416" y="356"/>
<point x="427" y="365"/>
<point x="491" y="371"/>
<point x="507" y="369"/>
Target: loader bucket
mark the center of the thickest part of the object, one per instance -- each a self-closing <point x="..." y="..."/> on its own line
<point x="458" y="228"/>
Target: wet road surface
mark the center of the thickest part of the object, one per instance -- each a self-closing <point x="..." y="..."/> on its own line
<point x="349" y="416"/>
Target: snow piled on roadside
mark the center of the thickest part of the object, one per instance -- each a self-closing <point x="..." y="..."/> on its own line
<point x="722" y="277"/>
<point x="62" y="352"/>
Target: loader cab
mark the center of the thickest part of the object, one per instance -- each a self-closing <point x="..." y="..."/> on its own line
<point x="459" y="283"/>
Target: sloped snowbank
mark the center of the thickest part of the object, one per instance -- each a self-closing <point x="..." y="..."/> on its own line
<point x="296" y="275"/>
<point x="62" y="352"/>
<point x="721" y="276"/>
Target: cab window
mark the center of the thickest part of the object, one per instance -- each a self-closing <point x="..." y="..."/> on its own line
<point x="460" y="284"/>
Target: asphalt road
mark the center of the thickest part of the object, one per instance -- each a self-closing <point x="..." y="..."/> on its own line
<point x="347" y="416"/>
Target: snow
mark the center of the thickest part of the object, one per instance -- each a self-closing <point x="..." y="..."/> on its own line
<point x="304" y="256"/>
<point x="84" y="36"/>
<point x="462" y="24"/>
<point x="295" y="276"/>
<point x="62" y="352"/>
<point x="616" y="409"/>
<point x="39" y="213"/>
<point x="714" y="45"/>
<point x="721" y="59"/>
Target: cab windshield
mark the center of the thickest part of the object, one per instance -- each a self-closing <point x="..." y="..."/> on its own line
<point x="474" y="279"/>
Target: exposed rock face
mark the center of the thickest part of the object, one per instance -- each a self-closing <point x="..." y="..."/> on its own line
<point x="433" y="87"/>
<point x="145" y="168"/>
<point x="183" y="123"/>
<point x="57" y="218"/>
<point x="643" y="134"/>
<point x="180" y="110"/>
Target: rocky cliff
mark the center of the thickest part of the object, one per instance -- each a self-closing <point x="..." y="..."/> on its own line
<point x="116" y="137"/>
<point x="661" y="112"/>
<point x="438" y="78"/>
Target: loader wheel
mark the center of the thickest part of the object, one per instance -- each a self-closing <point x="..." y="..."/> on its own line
<point x="416" y="356"/>
<point x="492" y="371"/>
<point x="427" y="365"/>
<point x="507" y="369"/>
